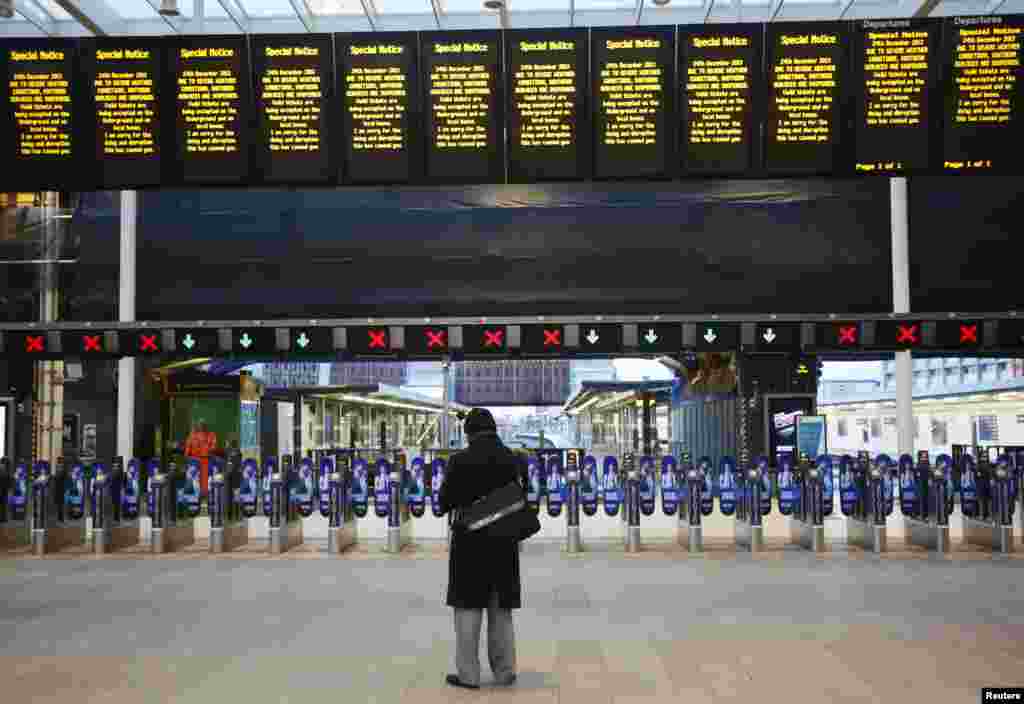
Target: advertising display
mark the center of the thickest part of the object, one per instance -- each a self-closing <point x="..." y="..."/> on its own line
<point x="556" y="487"/>
<point x="535" y="483"/>
<point x="360" y="487"/>
<point x="670" y="491"/>
<point x="727" y="486"/>
<point x="418" y="491"/>
<point x="248" y="490"/>
<point x="382" y="489"/>
<point x="589" y="485"/>
<point x="611" y="487"/>
<point x="648" y="486"/>
<point x="812" y="435"/>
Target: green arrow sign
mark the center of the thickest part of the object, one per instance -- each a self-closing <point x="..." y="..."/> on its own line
<point x="245" y="341"/>
<point x="189" y="342"/>
<point x="302" y="341"/>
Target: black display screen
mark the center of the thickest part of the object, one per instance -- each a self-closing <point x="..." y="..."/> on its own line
<point x="38" y="136"/>
<point x="632" y="77"/>
<point x="895" y="72"/>
<point x="719" y="76"/>
<point x="983" y="93"/>
<point x="548" y="125"/>
<point x="211" y="78"/>
<point x="124" y="86"/>
<point x="465" y="126"/>
<point x="378" y="89"/>
<point x="293" y="79"/>
<point x="806" y="65"/>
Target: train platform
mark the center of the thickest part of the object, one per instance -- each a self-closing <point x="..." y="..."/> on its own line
<point x="600" y="627"/>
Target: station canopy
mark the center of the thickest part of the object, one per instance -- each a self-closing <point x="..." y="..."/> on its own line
<point x="73" y="18"/>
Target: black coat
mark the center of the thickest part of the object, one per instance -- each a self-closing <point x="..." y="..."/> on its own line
<point x="477" y="564"/>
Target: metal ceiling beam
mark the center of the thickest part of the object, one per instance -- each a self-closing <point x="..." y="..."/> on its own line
<point x="237" y="15"/>
<point x="306" y="17"/>
<point x="638" y="11"/>
<point x="925" y="8"/>
<point x="572" y="13"/>
<point x="90" y="14"/>
<point x="846" y="8"/>
<point x="37" y="16"/>
<point x="438" y="12"/>
<point x="775" y="9"/>
<point x="173" y="23"/>
<point x="370" y="10"/>
<point x="707" y="14"/>
<point x="997" y="7"/>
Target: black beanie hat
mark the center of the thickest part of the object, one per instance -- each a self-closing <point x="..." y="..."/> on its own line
<point x="479" y="420"/>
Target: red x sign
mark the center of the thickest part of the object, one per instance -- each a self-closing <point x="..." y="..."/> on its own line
<point x="33" y="343"/>
<point x="553" y="338"/>
<point x="968" y="333"/>
<point x="907" y="334"/>
<point x="435" y="338"/>
<point x="847" y="334"/>
<point x="378" y="339"/>
<point x="492" y="338"/>
<point x="147" y="343"/>
<point x="92" y="343"/>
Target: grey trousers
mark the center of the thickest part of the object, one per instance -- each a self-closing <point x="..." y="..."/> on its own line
<point x="501" y="643"/>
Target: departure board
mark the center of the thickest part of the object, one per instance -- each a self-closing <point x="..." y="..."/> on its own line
<point x="211" y="102"/>
<point x="632" y="77"/>
<point x="895" y="74"/>
<point x="983" y="127"/>
<point x="123" y="76"/>
<point x="293" y="97"/>
<point x="463" y="106"/>
<point x="548" y="129"/>
<point x="36" y="120"/>
<point x="806" y="66"/>
<point x="719" y="73"/>
<point x="378" y="90"/>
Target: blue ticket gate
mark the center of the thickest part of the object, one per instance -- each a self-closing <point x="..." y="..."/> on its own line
<point x="924" y="489"/>
<point x="173" y="503"/>
<point x="397" y="481"/>
<point x="229" y="525"/>
<point x="801" y="494"/>
<point x="336" y="503"/>
<point x="694" y="493"/>
<point x="117" y="498"/>
<point x="55" y="525"/>
<point x="988" y="500"/>
<point x="876" y="487"/>
<point x="14" y="492"/>
<point x="754" y="490"/>
<point x="285" y="520"/>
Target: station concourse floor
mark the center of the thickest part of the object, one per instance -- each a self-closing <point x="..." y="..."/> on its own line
<point x="602" y="627"/>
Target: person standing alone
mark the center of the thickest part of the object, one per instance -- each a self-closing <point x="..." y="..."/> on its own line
<point x="483" y="572"/>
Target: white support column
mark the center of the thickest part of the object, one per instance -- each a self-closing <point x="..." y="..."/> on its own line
<point x="904" y="367"/>
<point x="126" y="313"/>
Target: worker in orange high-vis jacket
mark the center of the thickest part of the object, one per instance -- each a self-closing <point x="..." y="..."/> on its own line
<point x="200" y="445"/>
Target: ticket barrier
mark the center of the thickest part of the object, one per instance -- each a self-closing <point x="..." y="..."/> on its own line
<point x="285" y="521"/>
<point x="397" y="506"/>
<point x="866" y="525"/>
<point x="752" y="487"/>
<point x="573" y="542"/>
<point x="632" y="504"/>
<point x="812" y="480"/>
<point x="336" y="504"/>
<point x="171" y="508"/>
<point x="923" y="492"/>
<point x="53" y="525"/>
<point x="14" y="490"/>
<point x="229" y="527"/>
<point x="988" y="517"/>
<point x="696" y="494"/>
<point x="116" y="503"/>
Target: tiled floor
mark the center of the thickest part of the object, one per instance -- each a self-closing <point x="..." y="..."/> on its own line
<point x="602" y="627"/>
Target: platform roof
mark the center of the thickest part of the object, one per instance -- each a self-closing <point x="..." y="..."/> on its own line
<point x="601" y="394"/>
<point x="141" y="17"/>
<point x="369" y="394"/>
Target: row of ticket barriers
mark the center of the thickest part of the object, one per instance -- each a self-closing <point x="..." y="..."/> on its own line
<point x="100" y="504"/>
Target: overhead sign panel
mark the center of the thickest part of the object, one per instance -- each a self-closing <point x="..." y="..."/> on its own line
<point x="777" y="336"/>
<point x="602" y="338"/>
<point x="379" y="95"/>
<point x="293" y="98"/>
<point x="718" y="337"/>
<point x="983" y="59"/>
<point x="123" y="77"/>
<point x="806" y="65"/>
<point x="311" y="341"/>
<point x="426" y="340"/>
<point x="210" y="79"/>
<point x="951" y="334"/>
<point x="484" y="339"/>
<point x="548" y="123"/>
<point x="665" y="338"/>
<point x="895" y="77"/>
<point x="720" y="78"/>
<point x="898" y="334"/>
<point x="375" y="339"/>
<point x="542" y="339"/>
<point x="86" y="343"/>
<point x="133" y="343"/>
<point x="464" y="104"/>
<point x="196" y="342"/>
<point x="253" y="341"/>
<point x="37" y="128"/>
<point x="632" y="73"/>
<point x="842" y="335"/>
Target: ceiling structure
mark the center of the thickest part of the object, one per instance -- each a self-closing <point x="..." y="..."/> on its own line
<point x="76" y="18"/>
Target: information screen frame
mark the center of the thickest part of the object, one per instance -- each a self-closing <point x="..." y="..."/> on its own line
<point x="925" y="137"/>
<point x="415" y="142"/>
<point x="583" y="163"/>
<point x="670" y="141"/>
<point x="838" y="156"/>
<point x="262" y="158"/>
<point x="755" y="114"/>
<point x="951" y="137"/>
<point x="493" y="164"/>
<point x="120" y="168"/>
<point x="177" y="171"/>
<point x="44" y="173"/>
